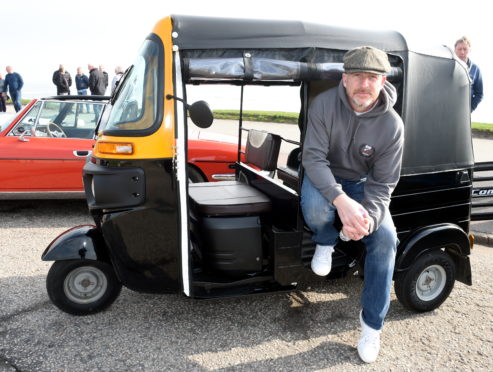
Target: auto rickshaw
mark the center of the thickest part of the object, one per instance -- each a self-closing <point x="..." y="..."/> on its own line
<point x="157" y="232"/>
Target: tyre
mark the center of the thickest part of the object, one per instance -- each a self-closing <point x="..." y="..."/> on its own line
<point x="194" y="175"/>
<point x="427" y="283"/>
<point x="82" y="287"/>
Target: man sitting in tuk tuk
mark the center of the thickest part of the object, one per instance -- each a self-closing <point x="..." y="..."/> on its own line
<point x="352" y="159"/>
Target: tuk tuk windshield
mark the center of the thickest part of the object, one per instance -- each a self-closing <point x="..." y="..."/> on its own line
<point x="136" y="107"/>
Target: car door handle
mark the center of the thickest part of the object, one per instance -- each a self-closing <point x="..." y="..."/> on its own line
<point x="82" y="153"/>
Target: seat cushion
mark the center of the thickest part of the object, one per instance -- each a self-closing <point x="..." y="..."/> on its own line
<point x="228" y="198"/>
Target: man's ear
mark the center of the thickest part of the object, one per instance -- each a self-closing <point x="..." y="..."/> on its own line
<point x="384" y="79"/>
<point x="344" y="79"/>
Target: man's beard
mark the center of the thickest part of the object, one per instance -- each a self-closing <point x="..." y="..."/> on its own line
<point x="363" y="104"/>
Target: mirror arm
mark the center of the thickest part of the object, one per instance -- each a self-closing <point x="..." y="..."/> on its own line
<point x="170" y="96"/>
<point x="22" y="138"/>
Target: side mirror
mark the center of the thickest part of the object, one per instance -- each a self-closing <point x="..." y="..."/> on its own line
<point x="201" y="114"/>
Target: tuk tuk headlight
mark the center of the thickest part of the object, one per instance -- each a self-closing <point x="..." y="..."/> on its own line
<point x="118" y="148"/>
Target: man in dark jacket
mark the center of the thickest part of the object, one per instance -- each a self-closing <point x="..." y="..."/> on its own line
<point x="96" y="81"/>
<point x="106" y="77"/>
<point x="82" y="84"/>
<point x="352" y="159"/>
<point x="13" y="84"/>
<point x="62" y="81"/>
<point x="3" y="96"/>
<point x="96" y="86"/>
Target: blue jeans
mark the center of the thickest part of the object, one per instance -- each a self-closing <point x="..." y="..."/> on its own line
<point x="381" y="246"/>
<point x="83" y="92"/>
<point x="16" y="100"/>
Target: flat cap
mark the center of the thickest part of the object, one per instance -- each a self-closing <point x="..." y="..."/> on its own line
<point x="366" y="59"/>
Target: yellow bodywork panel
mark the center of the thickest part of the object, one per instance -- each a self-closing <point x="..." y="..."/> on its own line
<point x="159" y="144"/>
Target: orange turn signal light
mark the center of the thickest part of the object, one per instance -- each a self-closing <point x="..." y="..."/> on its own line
<point x="118" y="148"/>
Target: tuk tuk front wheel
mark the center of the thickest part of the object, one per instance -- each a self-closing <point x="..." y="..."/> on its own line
<point x="82" y="287"/>
<point x="427" y="283"/>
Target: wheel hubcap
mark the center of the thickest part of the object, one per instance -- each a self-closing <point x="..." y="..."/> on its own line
<point x="85" y="285"/>
<point x="431" y="283"/>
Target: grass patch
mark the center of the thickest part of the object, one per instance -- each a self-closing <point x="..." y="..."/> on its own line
<point x="266" y="116"/>
<point x="483" y="126"/>
<point x="24" y="101"/>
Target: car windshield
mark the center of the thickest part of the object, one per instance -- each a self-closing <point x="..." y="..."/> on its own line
<point x="136" y="106"/>
<point x="5" y="120"/>
<point x="63" y="119"/>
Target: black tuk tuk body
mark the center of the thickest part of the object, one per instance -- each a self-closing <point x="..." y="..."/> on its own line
<point x="156" y="232"/>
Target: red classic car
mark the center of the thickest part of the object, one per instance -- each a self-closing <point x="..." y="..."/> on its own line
<point x="43" y="149"/>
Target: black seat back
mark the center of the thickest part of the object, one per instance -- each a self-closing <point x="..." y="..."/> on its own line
<point x="289" y="173"/>
<point x="262" y="149"/>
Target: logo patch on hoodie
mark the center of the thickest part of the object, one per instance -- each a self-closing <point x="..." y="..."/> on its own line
<point x="366" y="150"/>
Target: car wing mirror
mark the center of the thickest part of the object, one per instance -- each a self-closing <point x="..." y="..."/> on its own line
<point x="200" y="112"/>
<point x="22" y="132"/>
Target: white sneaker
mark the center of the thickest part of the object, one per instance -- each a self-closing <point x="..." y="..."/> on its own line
<point x="369" y="342"/>
<point x="322" y="259"/>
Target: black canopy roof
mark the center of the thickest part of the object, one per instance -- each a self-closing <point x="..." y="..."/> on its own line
<point x="195" y="32"/>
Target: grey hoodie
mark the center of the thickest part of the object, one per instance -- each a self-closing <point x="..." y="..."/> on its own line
<point x="340" y="143"/>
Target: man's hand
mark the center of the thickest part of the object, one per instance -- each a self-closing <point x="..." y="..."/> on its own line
<point x="354" y="217"/>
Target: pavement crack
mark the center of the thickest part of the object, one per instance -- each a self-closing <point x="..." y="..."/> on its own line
<point x="29" y="309"/>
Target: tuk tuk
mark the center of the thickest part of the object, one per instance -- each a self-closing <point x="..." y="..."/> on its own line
<point x="156" y="232"/>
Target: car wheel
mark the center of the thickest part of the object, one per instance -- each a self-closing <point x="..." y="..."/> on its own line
<point x="427" y="283"/>
<point x="82" y="287"/>
<point x="194" y="175"/>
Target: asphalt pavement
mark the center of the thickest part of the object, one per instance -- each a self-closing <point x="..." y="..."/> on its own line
<point x="314" y="328"/>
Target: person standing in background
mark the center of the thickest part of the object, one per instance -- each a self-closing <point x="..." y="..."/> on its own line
<point x="106" y="78"/>
<point x="3" y="98"/>
<point x="462" y="50"/>
<point x="96" y="81"/>
<point x="81" y="84"/>
<point x="14" y="83"/>
<point x="96" y="86"/>
<point x="116" y="78"/>
<point x="62" y="80"/>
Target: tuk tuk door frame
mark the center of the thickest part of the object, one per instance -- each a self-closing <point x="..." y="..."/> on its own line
<point x="181" y="176"/>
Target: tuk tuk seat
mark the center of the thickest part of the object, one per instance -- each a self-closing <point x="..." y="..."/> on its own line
<point x="262" y="149"/>
<point x="235" y="198"/>
<point x="289" y="174"/>
<point x="228" y="198"/>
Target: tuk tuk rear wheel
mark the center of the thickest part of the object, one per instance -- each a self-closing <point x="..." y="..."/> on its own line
<point x="427" y="283"/>
<point x="82" y="287"/>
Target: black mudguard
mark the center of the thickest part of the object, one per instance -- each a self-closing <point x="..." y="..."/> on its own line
<point x="80" y="242"/>
<point x="448" y="236"/>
